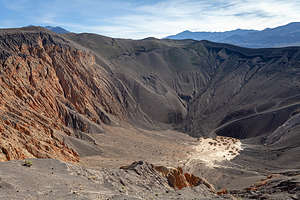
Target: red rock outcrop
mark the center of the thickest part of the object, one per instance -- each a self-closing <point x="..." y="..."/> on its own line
<point x="173" y="176"/>
<point x="46" y="85"/>
<point x="178" y="180"/>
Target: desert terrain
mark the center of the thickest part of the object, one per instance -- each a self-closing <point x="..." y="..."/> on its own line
<point x="85" y="116"/>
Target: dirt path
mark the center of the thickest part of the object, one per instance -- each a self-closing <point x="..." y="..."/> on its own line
<point x="252" y="115"/>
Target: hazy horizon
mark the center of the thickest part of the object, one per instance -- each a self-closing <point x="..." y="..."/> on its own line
<point x="158" y="18"/>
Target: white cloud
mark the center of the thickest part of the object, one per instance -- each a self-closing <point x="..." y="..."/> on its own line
<point x="139" y="19"/>
<point x="173" y="16"/>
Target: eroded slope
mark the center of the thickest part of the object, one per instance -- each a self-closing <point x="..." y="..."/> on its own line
<point x="50" y="88"/>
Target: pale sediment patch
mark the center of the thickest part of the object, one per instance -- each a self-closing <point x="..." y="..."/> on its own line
<point x="212" y="151"/>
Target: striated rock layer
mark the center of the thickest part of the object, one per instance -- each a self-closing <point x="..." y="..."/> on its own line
<point x="49" y="88"/>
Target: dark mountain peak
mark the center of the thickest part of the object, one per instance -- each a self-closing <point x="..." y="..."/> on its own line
<point x="293" y="24"/>
<point x="57" y="29"/>
<point x="267" y="29"/>
<point x="187" y="31"/>
<point x="289" y="27"/>
<point x="150" y="38"/>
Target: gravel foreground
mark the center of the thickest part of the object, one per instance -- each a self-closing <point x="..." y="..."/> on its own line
<point x="53" y="179"/>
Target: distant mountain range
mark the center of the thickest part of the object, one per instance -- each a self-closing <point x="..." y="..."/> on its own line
<point x="57" y="29"/>
<point x="287" y="35"/>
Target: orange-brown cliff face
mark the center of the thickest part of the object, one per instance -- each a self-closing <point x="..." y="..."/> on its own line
<point x="49" y="88"/>
<point x="179" y="180"/>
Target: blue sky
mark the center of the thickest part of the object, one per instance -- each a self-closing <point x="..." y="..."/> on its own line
<point x="149" y="18"/>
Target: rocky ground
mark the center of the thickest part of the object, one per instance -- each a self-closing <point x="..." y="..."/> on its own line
<point x="202" y="174"/>
<point x="52" y="179"/>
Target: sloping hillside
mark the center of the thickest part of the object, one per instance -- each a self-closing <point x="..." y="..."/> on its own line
<point x="103" y="102"/>
<point x="73" y="84"/>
